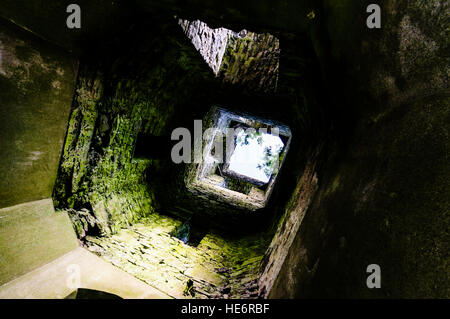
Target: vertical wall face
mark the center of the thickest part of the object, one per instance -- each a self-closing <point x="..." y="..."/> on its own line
<point x="211" y="43"/>
<point x="245" y="58"/>
<point x="36" y="87"/>
<point x="383" y="195"/>
<point x="143" y="88"/>
<point x="288" y="227"/>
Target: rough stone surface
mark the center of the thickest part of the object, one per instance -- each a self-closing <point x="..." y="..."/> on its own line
<point x="211" y="43"/>
<point x="36" y="86"/>
<point x="252" y="60"/>
<point x="218" y="266"/>
<point x="288" y="227"/>
<point x="379" y="96"/>
<point x="201" y="179"/>
<point x="98" y="171"/>
<point x="245" y="58"/>
<point x="384" y="195"/>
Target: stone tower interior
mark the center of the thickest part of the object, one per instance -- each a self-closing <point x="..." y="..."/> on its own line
<point x="91" y="198"/>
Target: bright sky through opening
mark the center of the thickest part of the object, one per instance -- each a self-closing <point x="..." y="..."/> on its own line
<point x="251" y="159"/>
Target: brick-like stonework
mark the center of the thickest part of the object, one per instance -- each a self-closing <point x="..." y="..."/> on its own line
<point x="244" y="57"/>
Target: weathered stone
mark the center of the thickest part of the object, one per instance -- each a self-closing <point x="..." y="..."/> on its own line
<point x="211" y="43"/>
<point x="244" y="58"/>
<point x="217" y="266"/>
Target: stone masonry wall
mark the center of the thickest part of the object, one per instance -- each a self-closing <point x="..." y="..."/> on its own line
<point x="219" y="267"/>
<point x="245" y="58"/>
<point x="211" y="43"/>
<point x="115" y="100"/>
<point x="384" y="192"/>
<point x="287" y="228"/>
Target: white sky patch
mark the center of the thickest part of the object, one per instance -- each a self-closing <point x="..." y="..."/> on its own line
<point x="247" y="159"/>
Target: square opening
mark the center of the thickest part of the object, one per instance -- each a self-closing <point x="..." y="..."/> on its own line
<point x="255" y="156"/>
<point x="244" y="174"/>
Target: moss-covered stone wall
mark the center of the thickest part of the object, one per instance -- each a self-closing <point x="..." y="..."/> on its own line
<point x="252" y="60"/>
<point x="380" y="97"/>
<point x="220" y="266"/>
<point x="114" y="102"/>
<point x="118" y="204"/>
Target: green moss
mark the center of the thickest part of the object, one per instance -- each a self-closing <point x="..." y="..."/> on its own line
<point x="218" y="262"/>
<point x="238" y="185"/>
<point x="130" y="96"/>
<point x="252" y="61"/>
